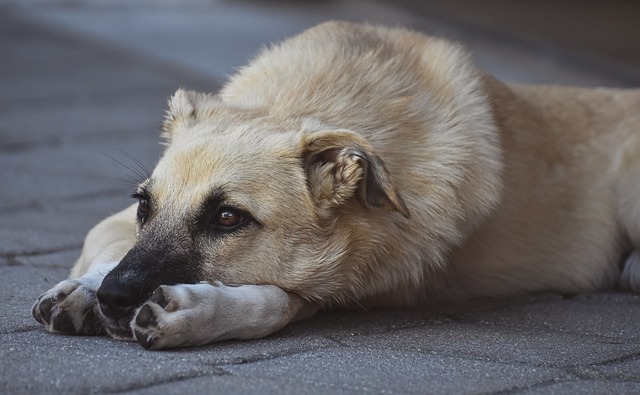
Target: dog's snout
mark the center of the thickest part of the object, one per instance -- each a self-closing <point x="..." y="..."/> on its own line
<point x="116" y="299"/>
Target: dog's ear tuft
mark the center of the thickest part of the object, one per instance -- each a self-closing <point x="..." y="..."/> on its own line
<point x="341" y="165"/>
<point x="185" y="108"/>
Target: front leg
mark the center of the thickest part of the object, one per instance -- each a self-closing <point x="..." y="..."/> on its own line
<point x="71" y="306"/>
<point x="196" y="314"/>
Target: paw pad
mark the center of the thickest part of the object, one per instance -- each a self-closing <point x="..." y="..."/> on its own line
<point x="146" y="317"/>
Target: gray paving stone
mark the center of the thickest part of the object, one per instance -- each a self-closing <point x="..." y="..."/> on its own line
<point x="614" y="315"/>
<point x="625" y="369"/>
<point x="60" y="122"/>
<point x="38" y="362"/>
<point x="586" y="387"/>
<point x="21" y="286"/>
<point x="50" y="229"/>
<point x="394" y="371"/>
<point x="535" y="347"/>
<point x="46" y="177"/>
<point x="233" y="384"/>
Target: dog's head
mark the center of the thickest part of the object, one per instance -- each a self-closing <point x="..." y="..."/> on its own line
<point x="244" y="198"/>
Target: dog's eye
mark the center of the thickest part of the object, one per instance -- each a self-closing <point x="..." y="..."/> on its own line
<point x="228" y="219"/>
<point x="143" y="207"/>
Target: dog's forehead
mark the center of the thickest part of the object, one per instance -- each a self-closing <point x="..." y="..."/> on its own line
<point x="240" y="163"/>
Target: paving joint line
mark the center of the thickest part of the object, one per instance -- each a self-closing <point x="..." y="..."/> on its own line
<point x="618" y="360"/>
<point x="40" y="206"/>
<point x="262" y="357"/>
<point x="535" y="386"/>
<point x="24" y="329"/>
<point x="11" y="257"/>
<point x="214" y="372"/>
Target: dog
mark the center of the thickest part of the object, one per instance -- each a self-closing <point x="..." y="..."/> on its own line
<point x="358" y="166"/>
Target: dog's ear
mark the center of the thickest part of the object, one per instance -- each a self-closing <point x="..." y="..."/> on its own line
<point x="341" y="165"/>
<point x="185" y="109"/>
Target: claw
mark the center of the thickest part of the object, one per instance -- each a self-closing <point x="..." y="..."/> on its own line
<point x="145" y="341"/>
<point x="158" y="297"/>
<point x="45" y="307"/>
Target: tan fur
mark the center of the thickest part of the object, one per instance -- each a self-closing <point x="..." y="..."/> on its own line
<point x="384" y="169"/>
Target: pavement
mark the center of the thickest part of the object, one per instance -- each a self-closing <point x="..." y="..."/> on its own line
<point x="84" y="85"/>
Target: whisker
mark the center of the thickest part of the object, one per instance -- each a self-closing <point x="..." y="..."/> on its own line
<point x="132" y="182"/>
<point x="141" y="173"/>
<point x="135" y="160"/>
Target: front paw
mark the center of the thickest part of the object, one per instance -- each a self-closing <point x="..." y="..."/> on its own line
<point x="196" y="314"/>
<point x="69" y="308"/>
<point x="153" y="324"/>
<point x="175" y="316"/>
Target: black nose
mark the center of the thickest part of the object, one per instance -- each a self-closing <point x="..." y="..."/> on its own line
<point x="116" y="298"/>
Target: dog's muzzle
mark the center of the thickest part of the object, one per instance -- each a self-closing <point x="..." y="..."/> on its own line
<point x="117" y="300"/>
<point x="140" y="272"/>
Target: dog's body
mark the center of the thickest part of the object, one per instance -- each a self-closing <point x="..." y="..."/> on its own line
<point x="361" y="166"/>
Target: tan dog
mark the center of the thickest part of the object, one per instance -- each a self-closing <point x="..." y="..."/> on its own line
<point x="361" y="166"/>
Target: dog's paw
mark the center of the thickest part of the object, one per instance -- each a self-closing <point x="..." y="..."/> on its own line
<point x="69" y="308"/>
<point x="196" y="314"/>
<point x="168" y="318"/>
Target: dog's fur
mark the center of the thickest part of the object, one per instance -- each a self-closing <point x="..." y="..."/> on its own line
<point x="360" y="166"/>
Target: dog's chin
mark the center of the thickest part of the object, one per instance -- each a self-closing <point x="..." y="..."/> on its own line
<point x="119" y="329"/>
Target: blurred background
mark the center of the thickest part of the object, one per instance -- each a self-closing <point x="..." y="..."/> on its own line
<point x="605" y="32"/>
<point x="577" y="42"/>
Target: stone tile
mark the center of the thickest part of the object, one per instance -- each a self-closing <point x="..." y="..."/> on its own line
<point x="46" y="177"/>
<point x="499" y="343"/>
<point x="21" y="286"/>
<point x="37" y="362"/>
<point x="583" y="387"/>
<point x="232" y="384"/>
<point x="54" y="229"/>
<point x="624" y="369"/>
<point x="341" y="324"/>
<point x="359" y="370"/>
<point x="612" y="315"/>
<point x="55" y="124"/>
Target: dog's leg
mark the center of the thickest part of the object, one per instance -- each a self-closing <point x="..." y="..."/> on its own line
<point x="71" y="307"/>
<point x="196" y="314"/>
<point x="628" y="191"/>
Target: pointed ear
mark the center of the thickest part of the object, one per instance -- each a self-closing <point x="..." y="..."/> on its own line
<point x="341" y="165"/>
<point x="185" y="109"/>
